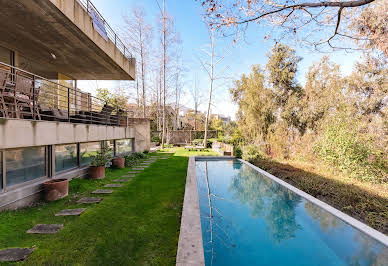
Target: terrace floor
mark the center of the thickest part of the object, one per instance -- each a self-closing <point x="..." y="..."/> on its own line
<point x="138" y="224"/>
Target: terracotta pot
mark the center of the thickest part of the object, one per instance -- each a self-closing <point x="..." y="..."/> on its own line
<point x="97" y="172"/>
<point x="118" y="162"/>
<point x="56" y="189"/>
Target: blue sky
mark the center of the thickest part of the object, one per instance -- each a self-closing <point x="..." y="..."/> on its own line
<point x="193" y="33"/>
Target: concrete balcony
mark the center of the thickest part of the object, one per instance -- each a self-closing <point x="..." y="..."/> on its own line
<point x="59" y="36"/>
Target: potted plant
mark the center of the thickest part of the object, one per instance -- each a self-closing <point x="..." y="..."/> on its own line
<point x="97" y="168"/>
<point x="118" y="162"/>
<point x="55" y="189"/>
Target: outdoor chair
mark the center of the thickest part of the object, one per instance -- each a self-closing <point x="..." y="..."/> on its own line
<point x="21" y="98"/>
<point x="53" y="114"/>
<point x="4" y="76"/>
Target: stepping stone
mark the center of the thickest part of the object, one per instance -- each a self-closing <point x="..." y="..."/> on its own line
<point x="90" y="200"/>
<point x="121" y="180"/>
<point x="102" y="191"/>
<point x="130" y="176"/>
<point x="45" y="229"/>
<point x="113" y="185"/>
<point x="133" y="172"/>
<point x="71" y="212"/>
<point x="138" y="168"/>
<point x="15" y="254"/>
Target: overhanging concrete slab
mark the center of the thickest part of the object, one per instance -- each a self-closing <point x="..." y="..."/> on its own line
<point x="39" y="29"/>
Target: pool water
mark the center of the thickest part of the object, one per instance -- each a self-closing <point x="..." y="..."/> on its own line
<point x="249" y="219"/>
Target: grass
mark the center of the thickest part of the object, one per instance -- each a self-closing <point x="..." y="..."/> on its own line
<point x="364" y="201"/>
<point x="136" y="225"/>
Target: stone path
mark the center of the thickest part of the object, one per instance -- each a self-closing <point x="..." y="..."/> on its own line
<point x="138" y="168"/>
<point x="45" y="229"/>
<point x="113" y="185"/>
<point x="130" y="176"/>
<point x="102" y="191"/>
<point x="121" y="180"/>
<point x="15" y="254"/>
<point x="90" y="200"/>
<point x="71" y="212"/>
<point x="133" y="172"/>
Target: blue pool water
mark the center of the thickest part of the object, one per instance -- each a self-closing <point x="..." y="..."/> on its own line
<point x="256" y="221"/>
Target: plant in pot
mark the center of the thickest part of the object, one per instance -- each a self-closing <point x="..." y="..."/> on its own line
<point x="97" y="168"/>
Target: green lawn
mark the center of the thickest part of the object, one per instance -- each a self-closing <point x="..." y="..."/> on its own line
<point x="136" y="225"/>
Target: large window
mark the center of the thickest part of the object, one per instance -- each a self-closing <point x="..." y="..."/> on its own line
<point x="5" y="55"/>
<point x="124" y="146"/>
<point x="110" y="144"/>
<point x="65" y="157"/>
<point x="25" y="164"/>
<point x="88" y="151"/>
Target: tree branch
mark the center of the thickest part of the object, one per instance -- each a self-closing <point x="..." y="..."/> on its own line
<point x="341" y="5"/>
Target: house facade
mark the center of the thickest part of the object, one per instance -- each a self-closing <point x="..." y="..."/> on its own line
<point x="50" y="128"/>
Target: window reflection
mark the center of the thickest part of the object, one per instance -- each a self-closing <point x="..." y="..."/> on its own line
<point x="25" y="164"/>
<point x="110" y="145"/>
<point x="88" y="151"/>
<point x="65" y="157"/>
<point x="123" y="146"/>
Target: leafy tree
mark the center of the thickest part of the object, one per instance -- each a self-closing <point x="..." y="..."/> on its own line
<point x="256" y="104"/>
<point x="323" y="92"/>
<point x="115" y="99"/>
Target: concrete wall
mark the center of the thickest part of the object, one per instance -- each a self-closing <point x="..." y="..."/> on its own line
<point x="185" y="136"/>
<point x="16" y="133"/>
<point x="142" y="133"/>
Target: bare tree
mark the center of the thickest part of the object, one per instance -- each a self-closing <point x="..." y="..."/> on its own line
<point x="168" y="41"/>
<point x="210" y="69"/>
<point x="139" y="37"/>
<point x="316" y="23"/>
<point x="197" y="99"/>
<point x="178" y="82"/>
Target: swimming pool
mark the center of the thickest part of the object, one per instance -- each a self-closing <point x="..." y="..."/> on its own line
<point x="251" y="218"/>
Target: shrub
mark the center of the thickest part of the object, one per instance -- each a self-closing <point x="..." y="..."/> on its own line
<point x="250" y="153"/>
<point x="168" y="146"/>
<point x="139" y="155"/>
<point x="341" y="147"/>
<point x="102" y="157"/>
<point x="156" y="139"/>
<point x="237" y="151"/>
<point x="131" y="159"/>
<point x="199" y="142"/>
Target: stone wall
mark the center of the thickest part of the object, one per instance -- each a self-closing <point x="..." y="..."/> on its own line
<point x="180" y="137"/>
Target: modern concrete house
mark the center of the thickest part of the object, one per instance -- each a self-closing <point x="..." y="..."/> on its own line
<point x="49" y="128"/>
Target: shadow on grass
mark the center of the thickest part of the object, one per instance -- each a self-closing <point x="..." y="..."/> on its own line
<point x="363" y="205"/>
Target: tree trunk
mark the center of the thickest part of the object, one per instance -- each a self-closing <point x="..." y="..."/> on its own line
<point x="210" y="90"/>
<point x="164" y="76"/>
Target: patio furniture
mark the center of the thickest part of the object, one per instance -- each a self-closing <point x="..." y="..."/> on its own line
<point x="21" y="96"/>
<point x="53" y="114"/>
<point x="4" y="76"/>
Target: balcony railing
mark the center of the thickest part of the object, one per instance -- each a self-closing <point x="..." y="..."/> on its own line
<point x="24" y="95"/>
<point x="89" y="7"/>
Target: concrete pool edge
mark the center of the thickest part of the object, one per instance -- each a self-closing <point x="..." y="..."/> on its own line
<point x="380" y="237"/>
<point x="190" y="245"/>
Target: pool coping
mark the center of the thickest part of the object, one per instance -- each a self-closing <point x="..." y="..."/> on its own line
<point x="190" y="245"/>
<point x="380" y="237"/>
